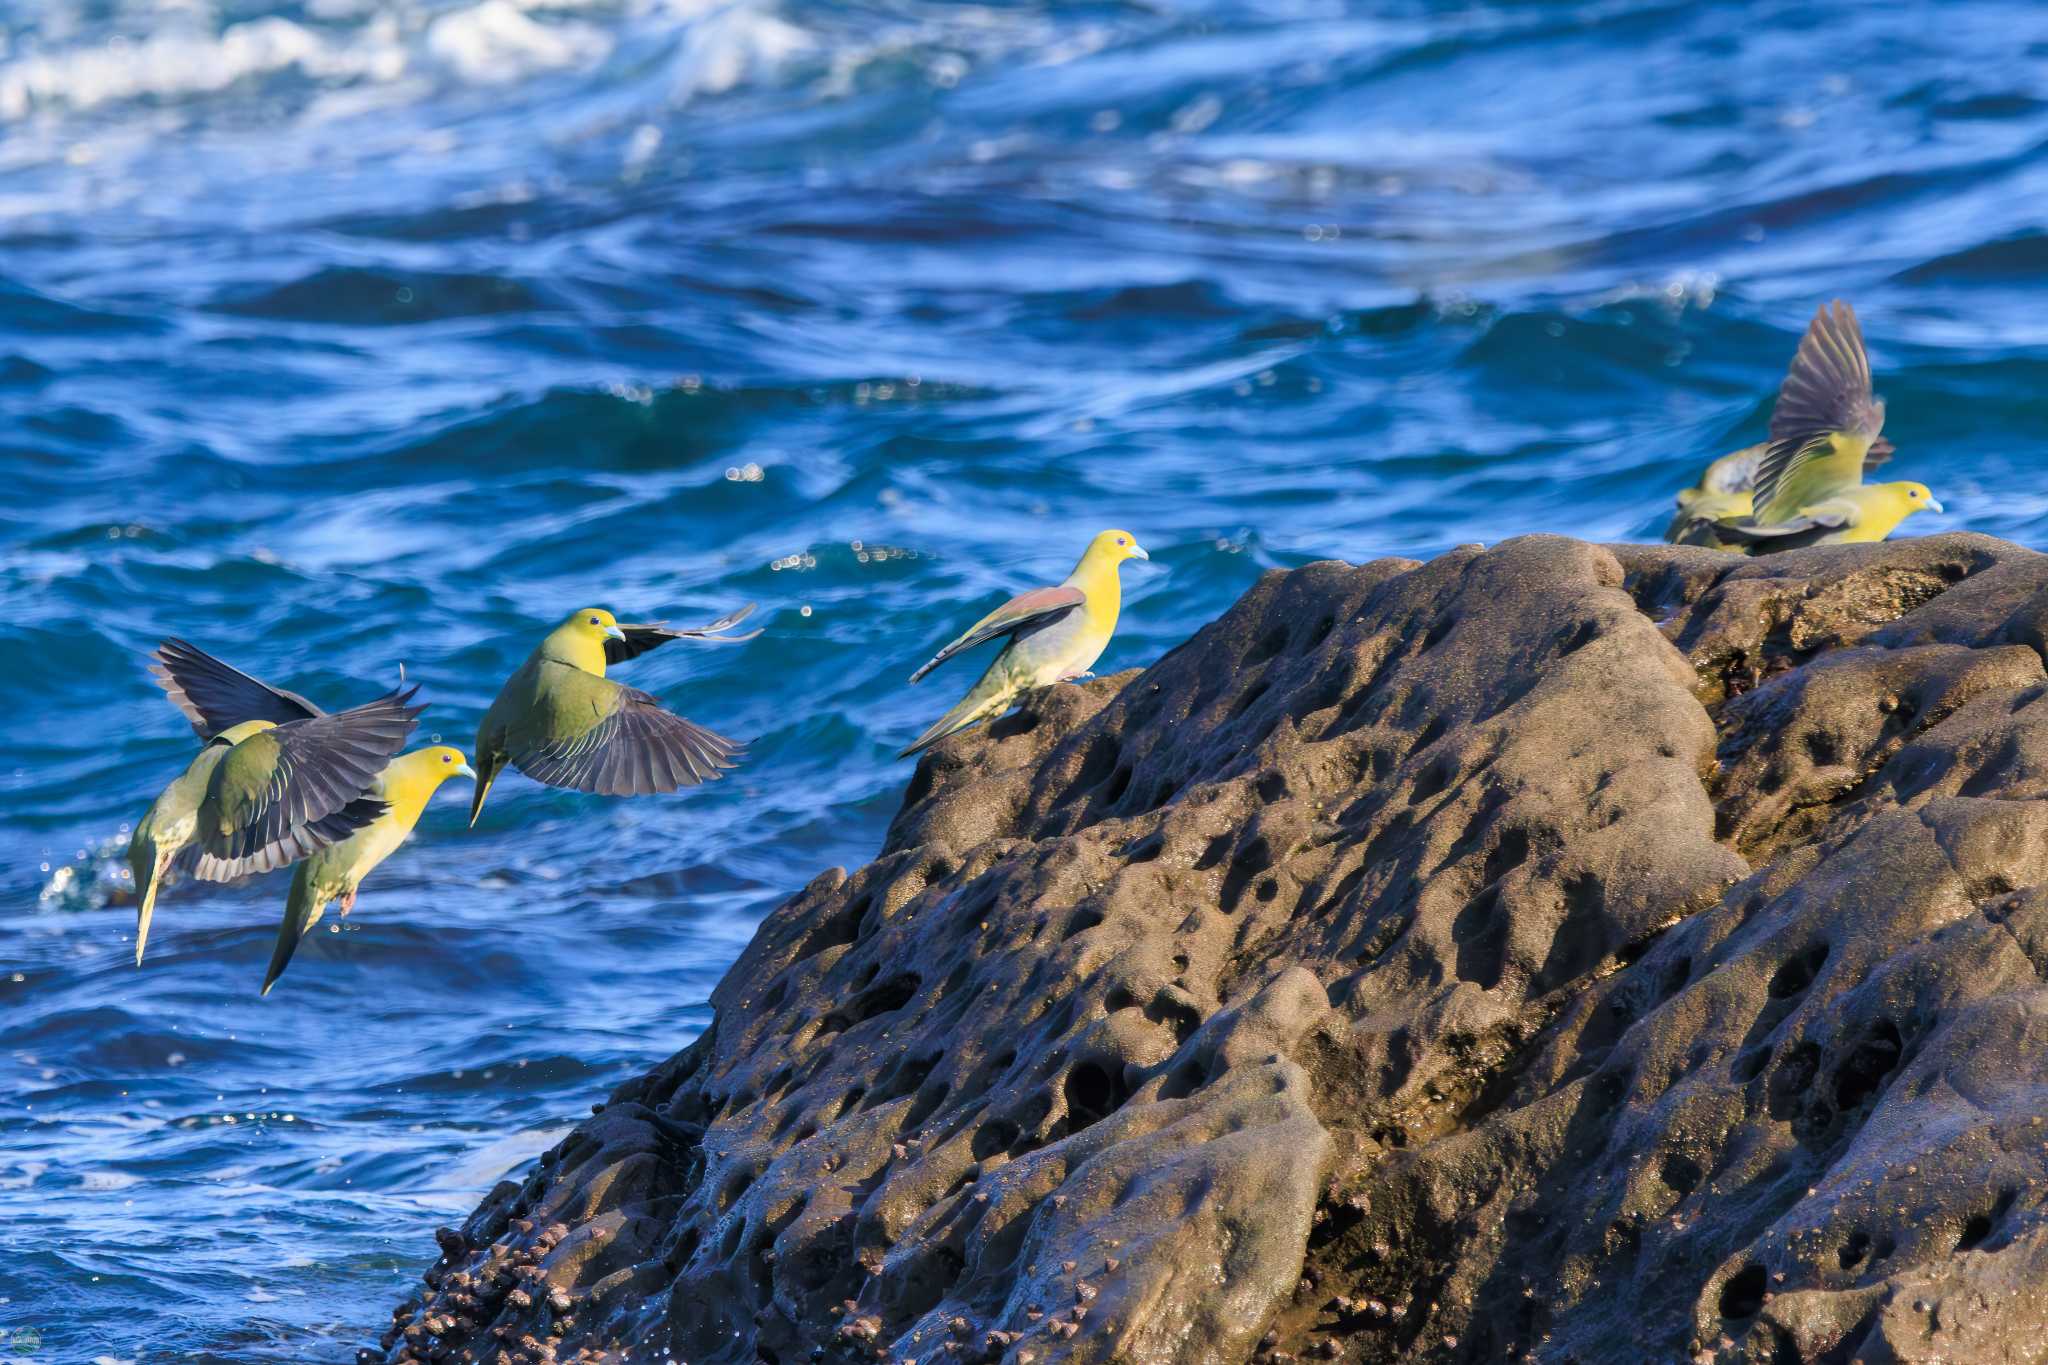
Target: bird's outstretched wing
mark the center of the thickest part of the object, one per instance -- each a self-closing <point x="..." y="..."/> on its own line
<point x="1027" y="609"/>
<point x="216" y="696"/>
<point x="637" y="750"/>
<point x="314" y="794"/>
<point x="648" y="635"/>
<point x="1826" y="419"/>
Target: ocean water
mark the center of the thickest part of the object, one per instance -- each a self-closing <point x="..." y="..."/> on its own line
<point x="341" y="336"/>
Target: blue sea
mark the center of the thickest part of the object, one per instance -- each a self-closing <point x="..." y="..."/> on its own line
<point x="351" y="336"/>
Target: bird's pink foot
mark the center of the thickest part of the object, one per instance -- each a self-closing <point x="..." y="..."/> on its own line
<point x="348" y="903"/>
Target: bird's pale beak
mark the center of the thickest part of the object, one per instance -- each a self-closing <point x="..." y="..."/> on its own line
<point x="464" y="770"/>
<point x="1138" y="551"/>
<point x="613" y="632"/>
<point x="1934" y="505"/>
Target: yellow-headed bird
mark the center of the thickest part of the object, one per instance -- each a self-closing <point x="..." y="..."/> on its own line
<point x="560" y="721"/>
<point x="166" y="837"/>
<point x="1054" y="634"/>
<point x="1865" y="513"/>
<point x="282" y="796"/>
<point x="1805" y="485"/>
<point x="1824" y="432"/>
<point x="405" y="786"/>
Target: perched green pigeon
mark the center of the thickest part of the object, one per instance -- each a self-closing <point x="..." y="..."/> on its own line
<point x="405" y="786"/>
<point x="277" y="777"/>
<point x="1054" y="634"/>
<point x="560" y="721"/>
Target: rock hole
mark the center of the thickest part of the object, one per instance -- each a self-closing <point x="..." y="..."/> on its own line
<point x="1797" y="973"/>
<point x="1119" y="783"/>
<point x="1977" y="1231"/>
<point x="884" y="998"/>
<point x="1270" y="644"/>
<point x="1248" y="700"/>
<point x="1430" y="734"/>
<point x="1082" y="922"/>
<point x="1345" y="889"/>
<point x="1181" y="1018"/>
<point x="1092" y="1095"/>
<point x="1021" y="722"/>
<point x="1751" y="1064"/>
<point x="1321" y="632"/>
<point x="1438" y="629"/>
<point x="929" y="1098"/>
<point x="1743" y="1295"/>
<point x="1822" y="749"/>
<point x="1248" y="862"/>
<point x="1098" y="761"/>
<point x="1441" y="772"/>
<point x="1509" y="852"/>
<point x="1481" y="939"/>
<point x="905" y="1077"/>
<point x="1862" y="1073"/>
<point x="1271" y="786"/>
<point x="1585" y="633"/>
<point x="993" y="1137"/>
<point x="1675" y="976"/>
<point x="1787" y="1093"/>
<point x="1145" y="849"/>
<point x="1212" y="852"/>
<point x="1680" y="1174"/>
<point x="1853" y="1251"/>
<point x="839" y="930"/>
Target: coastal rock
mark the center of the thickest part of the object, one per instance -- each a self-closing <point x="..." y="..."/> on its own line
<point x="1551" y="952"/>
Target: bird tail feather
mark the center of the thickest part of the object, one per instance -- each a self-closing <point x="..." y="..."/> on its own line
<point x="302" y="909"/>
<point x="986" y="698"/>
<point x="145" y="899"/>
<point x="486" y="773"/>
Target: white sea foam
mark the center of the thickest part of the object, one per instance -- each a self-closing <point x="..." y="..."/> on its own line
<point x="63" y="64"/>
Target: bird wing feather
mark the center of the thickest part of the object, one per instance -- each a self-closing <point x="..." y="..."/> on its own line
<point x="216" y="696"/>
<point x="635" y="748"/>
<point x="643" y="636"/>
<point x="315" y="792"/>
<point x="1038" y="607"/>
<point x="1825" y="516"/>
<point x="1826" y="396"/>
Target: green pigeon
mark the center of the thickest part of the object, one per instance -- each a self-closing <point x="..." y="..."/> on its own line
<point x="277" y="776"/>
<point x="1824" y="435"/>
<point x="1824" y="440"/>
<point x="561" y="721"/>
<point x="1053" y="634"/>
<point x="405" y="786"/>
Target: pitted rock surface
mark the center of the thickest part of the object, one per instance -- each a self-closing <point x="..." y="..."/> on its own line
<point x="1551" y="952"/>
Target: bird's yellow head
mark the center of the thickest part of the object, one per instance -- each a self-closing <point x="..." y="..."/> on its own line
<point x="594" y="623"/>
<point x="579" y="641"/>
<point x="444" y="761"/>
<point x="1917" y="497"/>
<point x="1114" y="547"/>
<point x="414" y="777"/>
